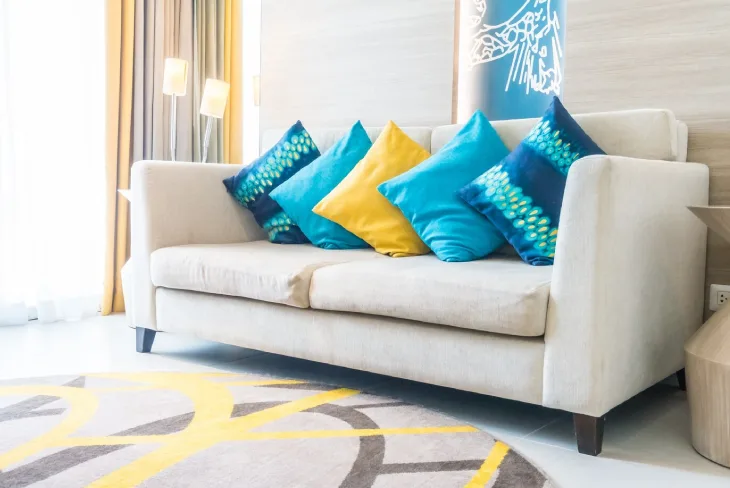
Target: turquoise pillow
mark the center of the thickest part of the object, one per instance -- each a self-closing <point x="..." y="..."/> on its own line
<point x="523" y="194"/>
<point x="427" y="194"/>
<point x="252" y="186"/>
<point x="299" y="195"/>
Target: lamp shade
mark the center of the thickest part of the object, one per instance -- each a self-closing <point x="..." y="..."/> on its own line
<point x="175" y="79"/>
<point x="215" y="96"/>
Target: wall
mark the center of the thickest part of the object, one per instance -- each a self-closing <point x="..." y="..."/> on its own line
<point x="331" y="62"/>
<point x="251" y="67"/>
<point x="675" y="54"/>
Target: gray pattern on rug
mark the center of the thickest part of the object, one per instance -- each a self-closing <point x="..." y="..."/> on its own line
<point x="188" y="429"/>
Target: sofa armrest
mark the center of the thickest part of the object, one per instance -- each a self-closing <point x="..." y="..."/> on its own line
<point x="175" y="204"/>
<point x="628" y="280"/>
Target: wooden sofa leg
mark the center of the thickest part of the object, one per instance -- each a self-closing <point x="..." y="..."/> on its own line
<point x="682" y="380"/>
<point x="589" y="433"/>
<point x="145" y="338"/>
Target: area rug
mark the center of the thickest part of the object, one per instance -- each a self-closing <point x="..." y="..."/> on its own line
<point x="231" y="430"/>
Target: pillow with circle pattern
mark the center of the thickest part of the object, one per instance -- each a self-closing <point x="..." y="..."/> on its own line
<point x="253" y="184"/>
<point x="299" y="195"/>
<point x="522" y="195"/>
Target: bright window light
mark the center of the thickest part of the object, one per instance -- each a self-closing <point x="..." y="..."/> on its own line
<point x="52" y="157"/>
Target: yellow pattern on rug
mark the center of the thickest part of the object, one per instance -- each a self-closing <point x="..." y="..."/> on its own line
<point x="211" y="424"/>
<point x="490" y="466"/>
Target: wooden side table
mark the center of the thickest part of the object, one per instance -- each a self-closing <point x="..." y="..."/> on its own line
<point x="708" y="366"/>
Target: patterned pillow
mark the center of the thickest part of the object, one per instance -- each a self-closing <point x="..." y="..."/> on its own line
<point x="253" y="184"/>
<point x="523" y="194"/>
<point x="304" y="190"/>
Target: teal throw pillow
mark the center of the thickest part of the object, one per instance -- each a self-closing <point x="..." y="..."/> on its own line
<point x="427" y="194"/>
<point x="523" y="194"/>
<point x="303" y="191"/>
<point x="252" y="186"/>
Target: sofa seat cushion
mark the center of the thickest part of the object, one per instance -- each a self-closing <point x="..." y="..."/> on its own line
<point x="501" y="294"/>
<point x="259" y="270"/>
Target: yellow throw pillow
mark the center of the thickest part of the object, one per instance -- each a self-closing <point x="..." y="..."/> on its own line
<point x="357" y="205"/>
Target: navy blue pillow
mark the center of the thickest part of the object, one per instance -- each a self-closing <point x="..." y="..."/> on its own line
<point x="523" y="194"/>
<point x="253" y="184"/>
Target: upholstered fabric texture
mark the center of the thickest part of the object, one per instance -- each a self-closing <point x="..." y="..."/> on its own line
<point x="325" y="138"/>
<point x="253" y="185"/>
<point x="259" y="270"/>
<point x="426" y="195"/>
<point x="625" y="292"/>
<point x="500" y="295"/>
<point x="300" y="193"/>
<point x="356" y="205"/>
<point x="493" y="364"/>
<point x="628" y="281"/>
<point x="178" y="204"/>
<point x="644" y="134"/>
<point x="523" y="194"/>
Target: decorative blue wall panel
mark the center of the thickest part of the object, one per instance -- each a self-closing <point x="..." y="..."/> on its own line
<point x="512" y="54"/>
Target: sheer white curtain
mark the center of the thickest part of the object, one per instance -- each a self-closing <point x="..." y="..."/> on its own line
<point x="52" y="99"/>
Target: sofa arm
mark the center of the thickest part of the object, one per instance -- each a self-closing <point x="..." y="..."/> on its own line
<point x="175" y="204"/>
<point x="628" y="280"/>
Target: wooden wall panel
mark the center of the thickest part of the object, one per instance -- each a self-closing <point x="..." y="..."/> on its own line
<point x="675" y="54"/>
<point x="331" y="62"/>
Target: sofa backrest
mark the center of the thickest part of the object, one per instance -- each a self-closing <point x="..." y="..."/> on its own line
<point x="644" y="134"/>
<point x="326" y="138"/>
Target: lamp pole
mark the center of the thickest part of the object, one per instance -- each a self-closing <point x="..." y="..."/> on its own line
<point x="174" y="83"/>
<point x="206" y="140"/>
<point x="173" y="127"/>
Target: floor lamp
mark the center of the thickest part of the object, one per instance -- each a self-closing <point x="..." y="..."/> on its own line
<point x="174" y="82"/>
<point x="215" y="97"/>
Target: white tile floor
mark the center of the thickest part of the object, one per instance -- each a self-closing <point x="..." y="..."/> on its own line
<point x="646" y="440"/>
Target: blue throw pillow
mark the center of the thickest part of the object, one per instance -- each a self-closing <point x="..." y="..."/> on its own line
<point x="427" y="194"/>
<point x="299" y="195"/>
<point x="253" y="184"/>
<point x="523" y="194"/>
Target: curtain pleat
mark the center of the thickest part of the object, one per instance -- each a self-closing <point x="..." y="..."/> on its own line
<point x="120" y="65"/>
<point x="150" y="127"/>
<point x="160" y="110"/>
<point x="141" y="34"/>
<point x="194" y="30"/>
<point x="187" y="109"/>
<point x="208" y="62"/>
<point x="233" y="120"/>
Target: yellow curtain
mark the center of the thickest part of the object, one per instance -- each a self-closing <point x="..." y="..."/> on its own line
<point x="120" y="71"/>
<point x="233" y="119"/>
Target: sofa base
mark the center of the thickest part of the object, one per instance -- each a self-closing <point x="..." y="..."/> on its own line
<point x="682" y="380"/>
<point x="491" y="364"/>
<point x="145" y="338"/>
<point x="480" y="362"/>
<point x="589" y="433"/>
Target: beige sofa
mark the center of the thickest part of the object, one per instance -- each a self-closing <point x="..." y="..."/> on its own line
<point x="606" y="322"/>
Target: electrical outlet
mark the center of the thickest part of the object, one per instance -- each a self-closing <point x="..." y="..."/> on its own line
<point x="719" y="296"/>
